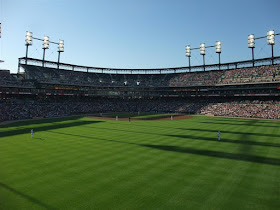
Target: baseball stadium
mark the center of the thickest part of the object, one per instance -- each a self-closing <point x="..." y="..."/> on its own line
<point x="192" y="137"/>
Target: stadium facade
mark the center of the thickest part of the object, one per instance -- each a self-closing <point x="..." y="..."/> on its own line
<point x="251" y="87"/>
<point x="234" y="79"/>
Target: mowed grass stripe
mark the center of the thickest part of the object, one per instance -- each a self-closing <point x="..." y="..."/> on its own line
<point x="85" y="163"/>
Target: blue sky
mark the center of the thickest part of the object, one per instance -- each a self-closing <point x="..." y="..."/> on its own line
<point x="137" y="33"/>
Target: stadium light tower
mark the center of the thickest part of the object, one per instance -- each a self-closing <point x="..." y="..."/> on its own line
<point x="60" y="49"/>
<point x="219" y="50"/>
<point x="271" y="41"/>
<point x="0" y="38"/>
<point x="188" y="54"/>
<point x="202" y="52"/>
<point x="251" y="44"/>
<point x="28" y="41"/>
<point x="46" y="45"/>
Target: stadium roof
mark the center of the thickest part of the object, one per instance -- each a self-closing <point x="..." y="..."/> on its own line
<point x="222" y="66"/>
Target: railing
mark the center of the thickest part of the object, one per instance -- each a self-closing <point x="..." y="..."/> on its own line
<point x="222" y="66"/>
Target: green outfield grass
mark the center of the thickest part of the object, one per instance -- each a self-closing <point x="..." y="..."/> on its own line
<point x="93" y="164"/>
<point x="135" y="115"/>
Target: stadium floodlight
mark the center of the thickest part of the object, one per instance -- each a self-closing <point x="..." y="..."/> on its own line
<point x="29" y="38"/>
<point x="46" y="43"/>
<point x="202" y="49"/>
<point x="28" y="41"/>
<point x="188" y="54"/>
<point x="60" y="49"/>
<point x="61" y="46"/>
<point x="251" y="44"/>
<point x="218" y="47"/>
<point x="270" y="37"/>
<point x="202" y="52"/>
<point x="188" y="51"/>
<point x="271" y="41"/>
<point x="251" y="41"/>
<point x="0" y="37"/>
<point x="219" y="50"/>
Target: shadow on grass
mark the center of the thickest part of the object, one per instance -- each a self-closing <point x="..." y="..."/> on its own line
<point x="27" y="197"/>
<point x="45" y="128"/>
<point x="240" y="124"/>
<point x="242" y="140"/>
<point x="242" y="120"/>
<point x="126" y="131"/>
<point x="224" y="155"/>
<point x="214" y="131"/>
<point x="231" y="132"/>
<point x="201" y="130"/>
<point x="39" y="121"/>
<point x="90" y="137"/>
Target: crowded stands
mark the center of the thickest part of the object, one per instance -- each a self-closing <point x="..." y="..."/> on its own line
<point x="13" y="80"/>
<point x="41" y="82"/>
<point x="266" y="109"/>
<point x="269" y="73"/>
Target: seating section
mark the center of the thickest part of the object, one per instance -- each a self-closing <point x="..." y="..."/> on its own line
<point x="247" y="108"/>
<point x="267" y="109"/>
<point x="245" y="75"/>
<point x="258" y="74"/>
<point x="49" y="75"/>
<point x="251" y="75"/>
<point x="10" y="80"/>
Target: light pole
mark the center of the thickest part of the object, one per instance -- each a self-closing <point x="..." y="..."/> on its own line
<point x="251" y="44"/>
<point x="271" y="41"/>
<point x="219" y="50"/>
<point x="46" y="45"/>
<point x="28" y="41"/>
<point x="202" y="52"/>
<point x="60" y="49"/>
<point x="188" y="54"/>
<point x="0" y="38"/>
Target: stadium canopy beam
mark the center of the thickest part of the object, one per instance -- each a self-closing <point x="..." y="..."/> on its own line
<point x="223" y="66"/>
